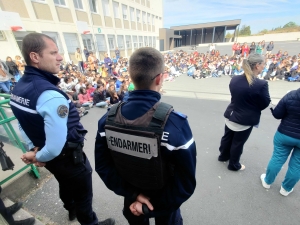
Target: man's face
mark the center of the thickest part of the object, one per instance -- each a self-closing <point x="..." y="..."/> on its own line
<point x="50" y="59"/>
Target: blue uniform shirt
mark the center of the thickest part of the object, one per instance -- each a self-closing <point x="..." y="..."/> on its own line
<point x="47" y="106"/>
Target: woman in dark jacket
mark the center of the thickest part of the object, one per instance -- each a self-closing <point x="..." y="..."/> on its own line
<point x="249" y="96"/>
<point x="13" y="68"/>
<point x="270" y="47"/>
<point x="286" y="140"/>
<point x="252" y="48"/>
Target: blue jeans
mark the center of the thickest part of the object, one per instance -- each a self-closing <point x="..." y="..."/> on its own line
<point x="283" y="145"/>
<point x="101" y="104"/>
<point x="17" y="77"/>
<point x="5" y="86"/>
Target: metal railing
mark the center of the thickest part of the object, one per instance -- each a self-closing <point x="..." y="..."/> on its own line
<point x="13" y="137"/>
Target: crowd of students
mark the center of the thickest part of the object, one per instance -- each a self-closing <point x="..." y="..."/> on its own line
<point x="278" y="66"/>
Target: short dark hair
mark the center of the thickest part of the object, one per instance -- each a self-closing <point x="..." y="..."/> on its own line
<point x="34" y="42"/>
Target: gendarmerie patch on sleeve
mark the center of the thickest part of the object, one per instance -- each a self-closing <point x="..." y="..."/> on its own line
<point x="62" y="111"/>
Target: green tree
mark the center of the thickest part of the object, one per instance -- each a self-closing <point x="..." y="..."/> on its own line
<point x="264" y="31"/>
<point x="245" y="31"/>
<point x="290" y="24"/>
<point x="229" y="35"/>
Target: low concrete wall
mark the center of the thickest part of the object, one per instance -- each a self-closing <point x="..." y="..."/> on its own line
<point x="292" y="36"/>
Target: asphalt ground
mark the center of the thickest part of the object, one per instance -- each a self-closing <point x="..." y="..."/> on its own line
<point x="292" y="47"/>
<point x="221" y="196"/>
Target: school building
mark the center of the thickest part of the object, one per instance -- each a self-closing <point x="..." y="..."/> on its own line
<point x="98" y="25"/>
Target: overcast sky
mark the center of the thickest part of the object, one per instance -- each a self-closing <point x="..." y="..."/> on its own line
<point x="259" y="14"/>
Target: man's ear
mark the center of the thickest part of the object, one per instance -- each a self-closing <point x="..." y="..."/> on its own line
<point x="158" y="79"/>
<point x="34" y="57"/>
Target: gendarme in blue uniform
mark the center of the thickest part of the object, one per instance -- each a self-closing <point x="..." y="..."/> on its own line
<point x="50" y="120"/>
<point x="177" y="145"/>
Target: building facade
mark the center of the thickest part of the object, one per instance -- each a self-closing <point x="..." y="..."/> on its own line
<point x="126" y="24"/>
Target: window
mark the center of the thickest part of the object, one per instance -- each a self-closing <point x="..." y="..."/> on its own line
<point x="135" y="42"/>
<point x="128" y="41"/>
<point x="106" y="10"/>
<point x="120" y="39"/>
<point x="144" y="17"/>
<point x="150" y="41"/>
<point x="116" y="9"/>
<point x="138" y="14"/>
<point x="88" y="42"/>
<point x="93" y="5"/>
<point x="132" y="14"/>
<point x="124" y="11"/>
<point x="148" y="18"/>
<point x="56" y="39"/>
<point x="101" y="44"/>
<point x="2" y="36"/>
<point x="71" y="42"/>
<point x="60" y="2"/>
<point x="140" y="41"/>
<point x="154" y="42"/>
<point x="111" y="41"/>
<point x="146" y="41"/>
<point x="78" y="4"/>
<point x="153" y="19"/>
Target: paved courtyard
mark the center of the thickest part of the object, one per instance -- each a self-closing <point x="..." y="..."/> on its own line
<point x="222" y="196"/>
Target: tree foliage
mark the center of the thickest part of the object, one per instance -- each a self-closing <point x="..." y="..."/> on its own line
<point x="290" y="24"/>
<point x="245" y="31"/>
<point x="229" y="35"/>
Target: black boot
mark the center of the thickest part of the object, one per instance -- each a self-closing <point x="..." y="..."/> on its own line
<point x="72" y="214"/>
<point x="14" y="208"/>
<point x="29" y="221"/>
<point x="108" y="221"/>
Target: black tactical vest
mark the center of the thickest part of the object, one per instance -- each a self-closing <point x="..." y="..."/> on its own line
<point x="135" y="146"/>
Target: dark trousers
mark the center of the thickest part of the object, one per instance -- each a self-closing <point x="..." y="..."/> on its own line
<point x="75" y="188"/>
<point x="8" y="217"/>
<point x="173" y="218"/>
<point x="231" y="148"/>
<point x="80" y="66"/>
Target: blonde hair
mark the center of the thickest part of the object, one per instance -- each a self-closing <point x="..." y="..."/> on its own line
<point x="249" y="64"/>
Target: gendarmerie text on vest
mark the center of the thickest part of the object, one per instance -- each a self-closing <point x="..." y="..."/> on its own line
<point x="23" y="101"/>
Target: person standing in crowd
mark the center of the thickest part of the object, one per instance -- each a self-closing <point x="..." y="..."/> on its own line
<point x="117" y="52"/>
<point x="4" y="80"/>
<point x="93" y="62"/>
<point x="20" y="64"/>
<point x="245" y="50"/>
<point x="86" y="54"/>
<point x="252" y="48"/>
<point x="45" y="112"/>
<point x="270" y="48"/>
<point x="249" y="96"/>
<point x="108" y="64"/>
<point x="263" y="45"/>
<point x="79" y="60"/>
<point x="13" y="68"/>
<point x="286" y="142"/>
<point x="259" y="48"/>
<point x="233" y="48"/>
<point x="132" y="174"/>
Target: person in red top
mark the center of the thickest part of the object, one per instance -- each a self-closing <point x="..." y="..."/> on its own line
<point x="245" y="50"/>
<point x="84" y="98"/>
<point x="90" y="90"/>
<point x="234" y="48"/>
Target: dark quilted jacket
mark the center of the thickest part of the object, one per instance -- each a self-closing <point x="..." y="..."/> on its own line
<point x="288" y="110"/>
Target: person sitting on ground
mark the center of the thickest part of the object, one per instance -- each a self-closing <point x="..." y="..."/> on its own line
<point x="238" y="71"/>
<point x="111" y="92"/>
<point x="100" y="99"/>
<point x="227" y="69"/>
<point x="123" y="91"/>
<point x="90" y="89"/>
<point x="84" y="98"/>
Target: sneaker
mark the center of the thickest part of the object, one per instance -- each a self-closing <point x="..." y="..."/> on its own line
<point x="284" y="192"/>
<point x="242" y="167"/>
<point x="263" y="182"/>
<point x="29" y="221"/>
<point x="72" y="214"/>
<point x="14" y="208"/>
<point x="85" y="112"/>
<point x="108" y="221"/>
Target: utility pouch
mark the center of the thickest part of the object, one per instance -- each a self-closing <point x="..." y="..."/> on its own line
<point x="76" y="150"/>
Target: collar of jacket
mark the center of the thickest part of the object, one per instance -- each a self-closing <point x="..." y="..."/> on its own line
<point x="146" y="95"/>
<point x="33" y="71"/>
